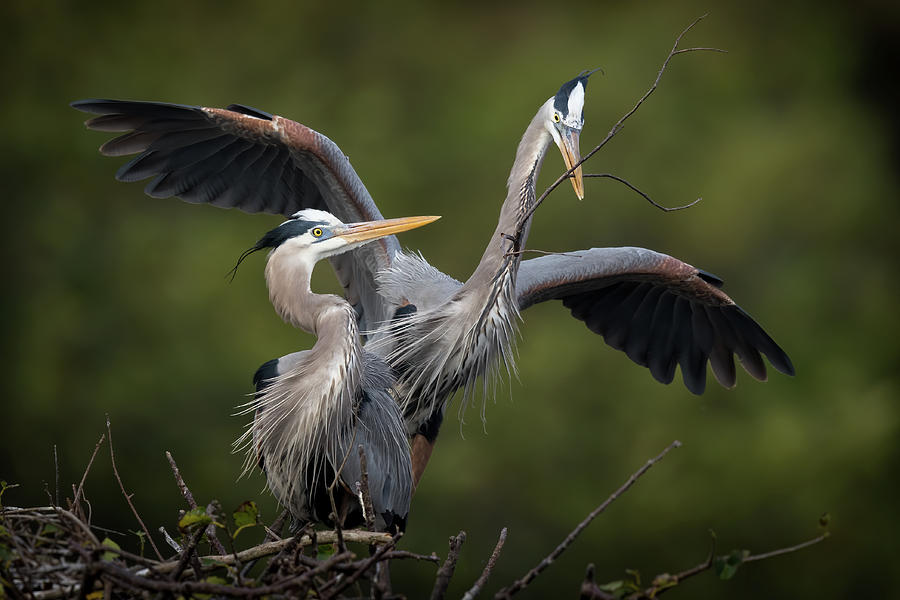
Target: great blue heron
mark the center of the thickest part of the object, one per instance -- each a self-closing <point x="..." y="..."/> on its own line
<point x="310" y="419"/>
<point x="439" y="334"/>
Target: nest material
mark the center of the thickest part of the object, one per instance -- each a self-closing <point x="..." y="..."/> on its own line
<point x="49" y="552"/>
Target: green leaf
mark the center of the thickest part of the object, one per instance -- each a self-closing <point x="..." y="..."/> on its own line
<point x="196" y="517"/>
<point x="142" y="538"/>
<point x="326" y="551"/>
<point x="3" y="487"/>
<point x="108" y="556"/>
<point x="50" y="529"/>
<point x="211" y="579"/>
<point x="246" y="515"/>
<point x="727" y="566"/>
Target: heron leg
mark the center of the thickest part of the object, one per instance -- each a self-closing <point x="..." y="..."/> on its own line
<point x="423" y="444"/>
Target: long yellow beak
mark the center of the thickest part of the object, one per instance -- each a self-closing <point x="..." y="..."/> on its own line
<point x="370" y="230"/>
<point x="572" y="154"/>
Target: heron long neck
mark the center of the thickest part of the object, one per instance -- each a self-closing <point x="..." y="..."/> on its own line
<point x="328" y="317"/>
<point x="520" y="196"/>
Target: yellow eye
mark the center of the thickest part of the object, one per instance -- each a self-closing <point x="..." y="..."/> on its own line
<point x="317" y="232"/>
<point x="556" y="117"/>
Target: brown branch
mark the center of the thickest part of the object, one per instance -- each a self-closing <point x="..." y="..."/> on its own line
<point x="189" y="498"/>
<point x="442" y="579"/>
<point x="589" y="589"/>
<point x="780" y="551"/>
<point x="664" y="581"/>
<point x="187" y="553"/>
<point x="112" y="458"/>
<point x="522" y="583"/>
<point x="642" y="194"/>
<point x="135" y="580"/>
<point x="75" y="505"/>
<point x="366" y="564"/>
<point x="56" y="472"/>
<point x="362" y="489"/>
<point x="401" y="554"/>
<point x="322" y="538"/>
<point x="618" y="125"/>
<point x="480" y="583"/>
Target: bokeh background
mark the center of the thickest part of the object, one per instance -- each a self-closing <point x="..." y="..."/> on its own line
<point x="118" y="304"/>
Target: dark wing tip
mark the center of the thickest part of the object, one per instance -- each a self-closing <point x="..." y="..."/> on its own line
<point x="711" y="279"/>
<point x="249" y="111"/>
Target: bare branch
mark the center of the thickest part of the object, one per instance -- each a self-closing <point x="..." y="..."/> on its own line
<point x="362" y="489"/>
<point x="480" y="583"/>
<point x="548" y="560"/>
<point x="189" y="498"/>
<point x="363" y="568"/>
<point x="789" y="550"/>
<point x="322" y="538"/>
<point x="645" y="196"/>
<point x="617" y="126"/>
<point x="442" y="580"/>
<point x="75" y="505"/>
<point x="112" y="458"/>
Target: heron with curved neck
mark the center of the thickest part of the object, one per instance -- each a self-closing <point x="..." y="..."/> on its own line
<point x="333" y="401"/>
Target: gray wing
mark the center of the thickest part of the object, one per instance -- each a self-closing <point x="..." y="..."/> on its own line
<point x="244" y="158"/>
<point x="657" y="309"/>
<point x="382" y="434"/>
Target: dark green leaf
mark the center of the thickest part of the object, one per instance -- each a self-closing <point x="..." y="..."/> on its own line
<point x="246" y="515"/>
<point x="326" y="551"/>
<point x="727" y="566"/>
<point x="195" y="517"/>
<point x="109" y="544"/>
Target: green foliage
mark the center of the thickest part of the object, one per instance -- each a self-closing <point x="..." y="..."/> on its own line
<point x="726" y="566"/>
<point x="109" y="554"/>
<point x="246" y="515"/>
<point x="194" y="518"/>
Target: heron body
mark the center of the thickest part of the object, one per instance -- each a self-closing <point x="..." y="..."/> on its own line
<point x="315" y="410"/>
<point x="439" y="334"/>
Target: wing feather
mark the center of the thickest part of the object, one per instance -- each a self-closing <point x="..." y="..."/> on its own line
<point x="242" y="157"/>
<point x="663" y="313"/>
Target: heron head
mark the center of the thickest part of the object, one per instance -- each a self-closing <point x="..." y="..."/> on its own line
<point x="564" y="121"/>
<point x="316" y="234"/>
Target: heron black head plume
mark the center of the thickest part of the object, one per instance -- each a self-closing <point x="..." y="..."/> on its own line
<point x="274" y="238"/>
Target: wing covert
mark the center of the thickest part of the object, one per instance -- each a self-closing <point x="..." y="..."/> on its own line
<point x="242" y="157"/>
<point x="660" y="311"/>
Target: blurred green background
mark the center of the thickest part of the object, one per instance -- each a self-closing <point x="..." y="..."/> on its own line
<point x="117" y="303"/>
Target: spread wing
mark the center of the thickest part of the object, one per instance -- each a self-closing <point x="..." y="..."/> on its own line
<point x="240" y="157"/>
<point x="658" y="310"/>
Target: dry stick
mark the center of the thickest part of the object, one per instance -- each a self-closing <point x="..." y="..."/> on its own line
<point x="323" y="537"/>
<point x="189" y="498"/>
<point x="112" y="458"/>
<point x="479" y="584"/>
<point x="136" y="581"/>
<point x="618" y="126"/>
<point x="642" y="194"/>
<point x="362" y="568"/>
<point x="781" y="551"/>
<point x="589" y="589"/>
<point x="362" y="488"/>
<point x="442" y="579"/>
<point x="548" y="560"/>
<point x="273" y="532"/>
<point x="670" y="581"/>
<point x="56" y="470"/>
<point x="186" y="554"/>
<point x="432" y="558"/>
<point x="80" y="491"/>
